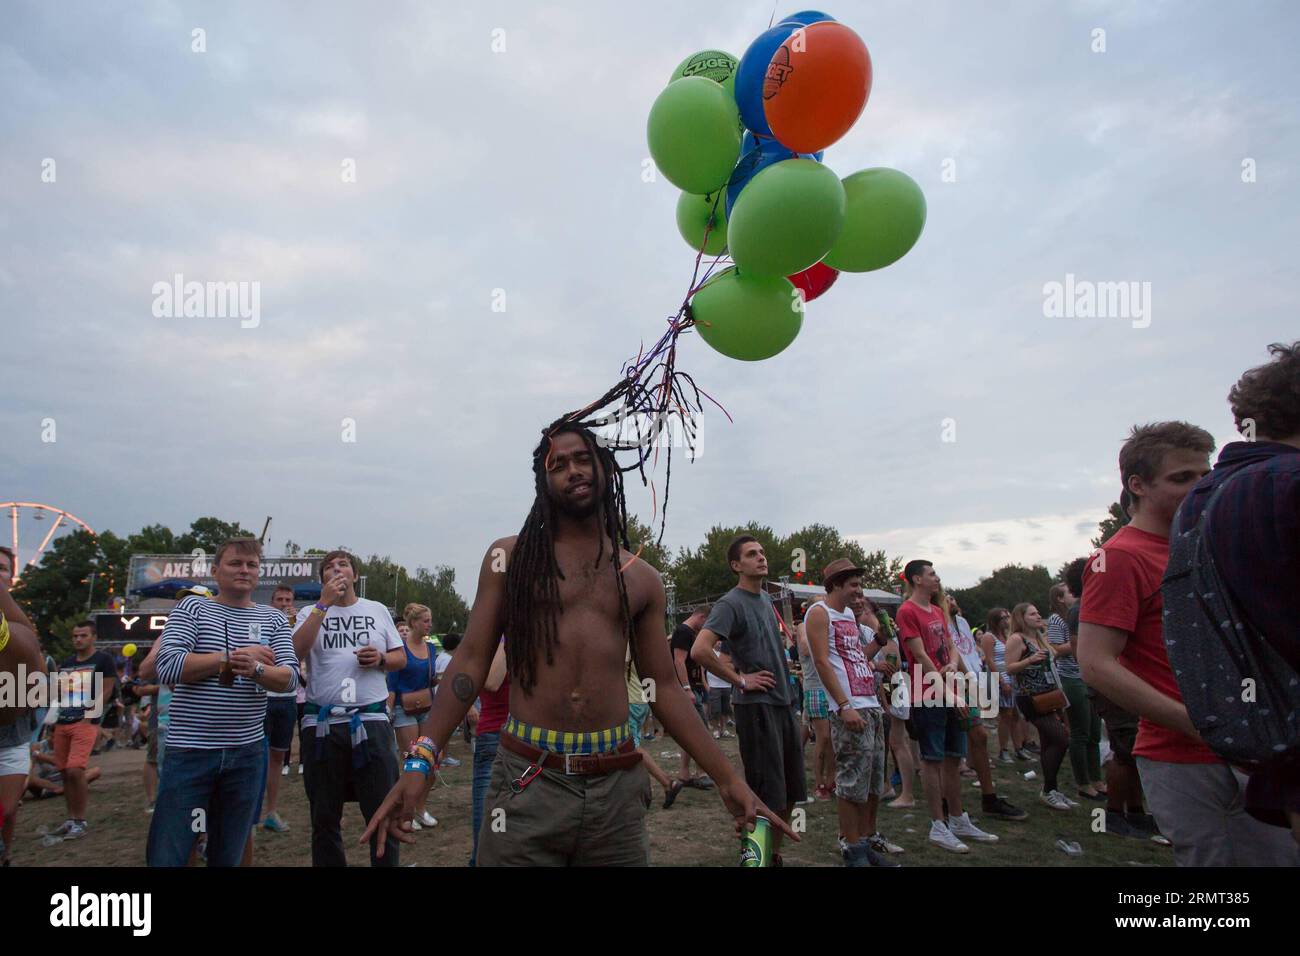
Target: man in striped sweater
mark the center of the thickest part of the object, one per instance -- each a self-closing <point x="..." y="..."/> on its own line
<point x="222" y="655"/>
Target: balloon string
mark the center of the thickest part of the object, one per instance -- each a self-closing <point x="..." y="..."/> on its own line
<point x="652" y="394"/>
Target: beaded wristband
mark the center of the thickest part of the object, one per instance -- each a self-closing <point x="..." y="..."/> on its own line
<point x="425" y="748"/>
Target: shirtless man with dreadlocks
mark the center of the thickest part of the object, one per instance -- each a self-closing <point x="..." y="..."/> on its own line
<point x="568" y="786"/>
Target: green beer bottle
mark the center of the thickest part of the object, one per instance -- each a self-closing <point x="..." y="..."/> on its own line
<point x="756" y="847"/>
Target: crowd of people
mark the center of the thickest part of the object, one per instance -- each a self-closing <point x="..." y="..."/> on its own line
<point x="565" y="669"/>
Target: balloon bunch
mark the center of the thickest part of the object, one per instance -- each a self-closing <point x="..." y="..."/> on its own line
<point x="744" y="140"/>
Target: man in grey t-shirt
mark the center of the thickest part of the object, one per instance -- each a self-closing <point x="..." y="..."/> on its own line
<point x="768" y="732"/>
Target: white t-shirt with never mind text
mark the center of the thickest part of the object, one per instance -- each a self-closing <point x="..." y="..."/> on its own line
<point x="335" y="676"/>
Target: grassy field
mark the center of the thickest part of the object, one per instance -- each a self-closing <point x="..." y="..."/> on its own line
<point x="696" y="831"/>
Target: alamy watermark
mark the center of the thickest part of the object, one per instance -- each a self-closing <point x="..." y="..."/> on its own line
<point x="67" y="690"/>
<point x="208" y="300"/>
<point x="1084" y="299"/>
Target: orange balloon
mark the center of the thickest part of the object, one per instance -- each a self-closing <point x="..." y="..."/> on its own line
<point x="816" y="86"/>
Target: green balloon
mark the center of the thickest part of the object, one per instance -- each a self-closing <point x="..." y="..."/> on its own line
<point x="693" y="134"/>
<point x="786" y="218"/>
<point x="883" y="219"/>
<point x="718" y="66"/>
<point x="747" y="317"/>
<point x="696" y="212"/>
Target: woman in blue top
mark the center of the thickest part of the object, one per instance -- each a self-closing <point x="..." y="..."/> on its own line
<point x="414" y="685"/>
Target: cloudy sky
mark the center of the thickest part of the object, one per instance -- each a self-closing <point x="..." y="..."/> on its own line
<point x="514" y="175"/>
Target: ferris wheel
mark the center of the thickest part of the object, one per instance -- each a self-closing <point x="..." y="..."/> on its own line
<point x="27" y="522"/>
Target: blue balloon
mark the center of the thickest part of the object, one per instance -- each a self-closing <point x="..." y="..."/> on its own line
<point x="806" y="17"/>
<point x="751" y="73"/>
<point x="755" y="156"/>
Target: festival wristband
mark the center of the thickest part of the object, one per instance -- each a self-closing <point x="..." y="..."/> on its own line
<point x="417" y="764"/>
<point x="424" y="748"/>
<point x="4" y="633"/>
<point x="319" y="608"/>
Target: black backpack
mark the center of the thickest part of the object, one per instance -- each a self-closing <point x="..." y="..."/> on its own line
<point x="1213" y="648"/>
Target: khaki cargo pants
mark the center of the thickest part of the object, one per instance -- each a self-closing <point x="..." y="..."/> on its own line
<point x="560" y="820"/>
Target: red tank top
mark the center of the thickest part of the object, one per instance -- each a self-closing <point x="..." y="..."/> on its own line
<point x="496" y="705"/>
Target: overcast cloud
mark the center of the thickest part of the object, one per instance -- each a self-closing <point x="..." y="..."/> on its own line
<point x="522" y="171"/>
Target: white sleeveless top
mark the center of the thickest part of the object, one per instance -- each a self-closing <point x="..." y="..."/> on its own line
<point x="848" y="659"/>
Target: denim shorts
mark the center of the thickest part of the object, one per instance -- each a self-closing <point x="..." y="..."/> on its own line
<point x="402" y="719"/>
<point x="939" y="732"/>
<point x="281" y="713"/>
<point x="15" y="761"/>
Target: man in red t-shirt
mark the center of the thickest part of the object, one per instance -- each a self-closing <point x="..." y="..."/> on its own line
<point x="1195" y="797"/>
<point x="927" y="644"/>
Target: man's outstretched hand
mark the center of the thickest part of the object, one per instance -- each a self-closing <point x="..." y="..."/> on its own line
<point x="395" y="814"/>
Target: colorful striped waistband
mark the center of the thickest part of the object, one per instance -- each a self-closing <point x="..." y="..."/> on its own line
<point x="565" y="741"/>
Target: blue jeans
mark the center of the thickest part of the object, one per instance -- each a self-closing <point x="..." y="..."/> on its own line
<point x="485" y="751"/>
<point x="225" y="784"/>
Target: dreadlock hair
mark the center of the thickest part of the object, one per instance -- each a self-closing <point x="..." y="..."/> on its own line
<point x="533" y="574"/>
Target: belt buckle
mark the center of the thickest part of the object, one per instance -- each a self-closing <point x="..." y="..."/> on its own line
<point x="568" y="772"/>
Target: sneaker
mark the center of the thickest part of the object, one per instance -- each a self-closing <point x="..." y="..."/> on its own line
<point x="717" y="736"/>
<point x="1005" y="757"/>
<point x="415" y="825"/>
<point x="284" y="771"/>
<point x="300" y="770"/>
<point x="1116" y="825"/>
<point x="962" y="827"/>
<point x="62" y="829"/>
<point x="878" y="843"/>
<point x="1062" y="798"/>
<point x="855" y="855"/>
<point x="450" y="762"/>
<point x="76" y="831"/>
<point x="1143" y="825"/>
<point x="995" y="806"/>
<point x="1023" y="754"/>
<point x="943" y="838"/>
<point x="1050" y="800"/>
<point x="274" y="823"/>
<point x="428" y="819"/>
<point x="877" y="859"/>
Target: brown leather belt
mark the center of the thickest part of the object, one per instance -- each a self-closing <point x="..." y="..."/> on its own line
<point x="624" y="757"/>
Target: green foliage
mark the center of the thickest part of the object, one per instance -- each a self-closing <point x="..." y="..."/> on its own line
<point x="60" y="587"/>
<point x="704" y="573"/>
<point x="81" y="572"/>
<point x="643" y="537"/>
<point x="391" y="584"/>
<point x="1006" y="587"/>
<point x="1114" y="520"/>
<point x="800" y="556"/>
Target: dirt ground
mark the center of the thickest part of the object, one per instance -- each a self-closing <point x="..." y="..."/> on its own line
<point x="696" y="831"/>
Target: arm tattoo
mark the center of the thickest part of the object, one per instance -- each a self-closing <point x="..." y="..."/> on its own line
<point x="462" y="685"/>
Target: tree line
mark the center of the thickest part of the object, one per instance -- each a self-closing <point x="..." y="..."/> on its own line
<point x="81" y="572"/>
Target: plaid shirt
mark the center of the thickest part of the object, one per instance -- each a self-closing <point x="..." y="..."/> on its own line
<point x="1255" y="538"/>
